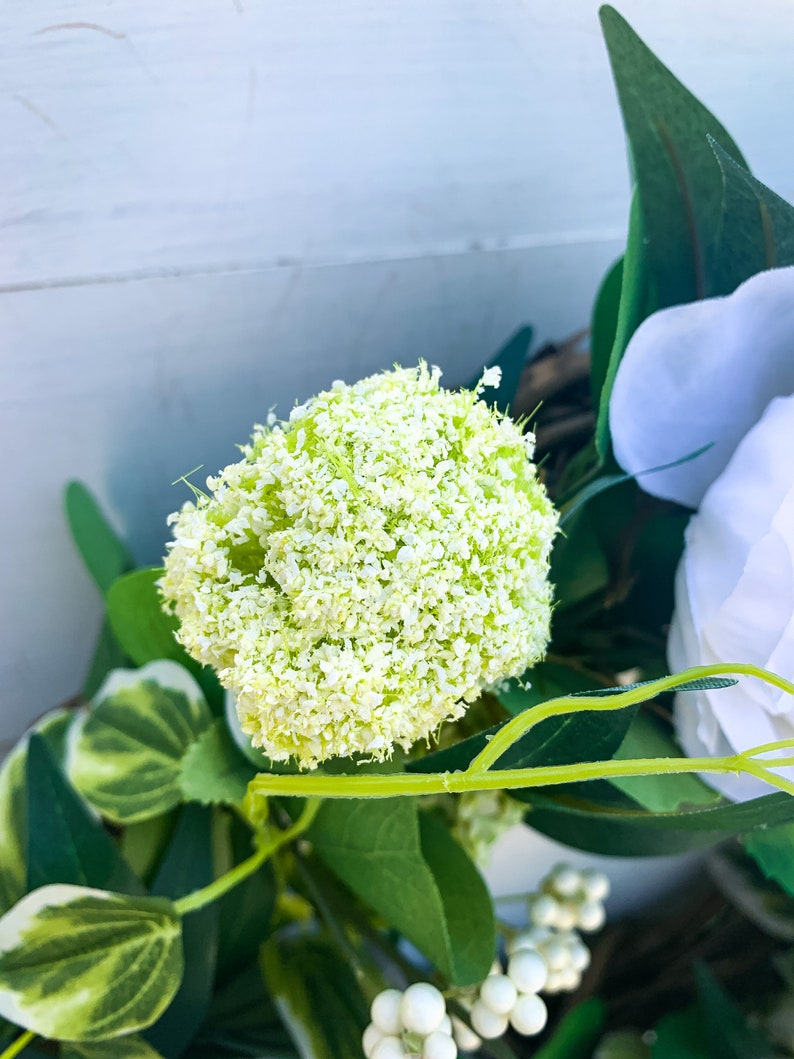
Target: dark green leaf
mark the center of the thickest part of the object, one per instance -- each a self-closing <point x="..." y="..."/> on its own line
<point x="756" y="228"/>
<point x="511" y="359"/>
<point x="761" y="901"/>
<point x="214" y="771"/>
<point x="681" y="1035"/>
<point x="247" y="910"/>
<point x="728" y="1034"/>
<point x="317" y="997"/>
<point x="66" y="843"/>
<point x="577" y="1034"/>
<point x="633" y="833"/>
<point x="188" y="866"/>
<point x="603" y="327"/>
<point x="636" y="302"/>
<point x="146" y="632"/>
<point x="108" y="655"/>
<point x="679" y="180"/>
<point x="773" y="852"/>
<point x="547" y="680"/>
<point x="103" y="553"/>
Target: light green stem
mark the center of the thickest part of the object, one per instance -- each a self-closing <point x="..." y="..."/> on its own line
<point x="524" y="722"/>
<point x="18" y="1045"/>
<point x="216" y="889"/>
<point x="414" y="784"/>
<point x="477" y="776"/>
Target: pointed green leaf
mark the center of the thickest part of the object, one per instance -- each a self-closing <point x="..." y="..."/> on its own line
<point x="128" y="758"/>
<point x="65" y="841"/>
<point x="317" y="997"/>
<point x="603" y="327"/>
<point x="146" y="632"/>
<point x="756" y="229"/>
<point x="214" y="771"/>
<point x="242" y="1021"/>
<point x="103" y="552"/>
<point x="80" y="964"/>
<point x="378" y="850"/>
<point x="577" y="1034"/>
<point x="679" y="180"/>
<point x="188" y="865"/>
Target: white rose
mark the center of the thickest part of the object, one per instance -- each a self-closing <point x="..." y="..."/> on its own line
<point x="706" y="373"/>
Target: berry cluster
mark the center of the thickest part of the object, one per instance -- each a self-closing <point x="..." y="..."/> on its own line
<point x="512" y="997"/>
<point x="413" y="1023"/>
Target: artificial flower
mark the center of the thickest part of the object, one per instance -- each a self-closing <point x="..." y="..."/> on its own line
<point x="702" y="374"/>
<point x="368" y="567"/>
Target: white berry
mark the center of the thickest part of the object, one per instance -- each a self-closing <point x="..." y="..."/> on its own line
<point x="566" y="916"/>
<point x="566" y="880"/>
<point x="372" y="1036"/>
<point x="498" y="992"/>
<point x="422" y="1009"/>
<point x="555" y="953"/>
<point x="439" y="1046"/>
<point x="389" y="1048"/>
<point x="466" y="1038"/>
<point x="529" y="1015"/>
<point x="528" y="971"/>
<point x="446" y="1026"/>
<point x="595" y="885"/>
<point x="569" y="979"/>
<point x="591" y="915"/>
<point x="385" y="1012"/>
<point x="543" y="910"/>
<point x="579" y="955"/>
<point x="486" y="1022"/>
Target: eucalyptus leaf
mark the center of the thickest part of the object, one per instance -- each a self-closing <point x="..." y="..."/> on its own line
<point x="66" y="843"/>
<point x="80" y="964"/>
<point x="103" y="552"/>
<point x="128" y="758"/>
<point x="756" y="229"/>
<point x="679" y="180"/>
<point x="213" y="771"/>
<point x="317" y="997"/>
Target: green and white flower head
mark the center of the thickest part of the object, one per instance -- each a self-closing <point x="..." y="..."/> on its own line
<point x="368" y="567"/>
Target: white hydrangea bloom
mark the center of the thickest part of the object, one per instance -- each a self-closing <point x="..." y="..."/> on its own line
<point x="367" y="568"/>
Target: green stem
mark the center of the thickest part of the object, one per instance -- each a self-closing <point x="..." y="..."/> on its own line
<point x="409" y="783"/>
<point x="18" y="1045"/>
<point x="207" y="894"/>
<point x="524" y="722"/>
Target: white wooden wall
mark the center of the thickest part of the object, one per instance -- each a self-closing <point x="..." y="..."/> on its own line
<point x="208" y="207"/>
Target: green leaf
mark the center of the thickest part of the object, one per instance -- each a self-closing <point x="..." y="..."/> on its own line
<point x="247" y="910"/>
<point x="773" y="852"/>
<point x="102" y="551"/>
<point x="759" y="900"/>
<point x="128" y="757"/>
<point x="242" y="1022"/>
<point x="82" y="965"/>
<point x="188" y="866"/>
<point x="213" y="771"/>
<point x="577" y="1033"/>
<point x="603" y="327"/>
<point x="378" y="849"/>
<point x="636" y="302"/>
<point x="634" y="832"/>
<point x="679" y="180"/>
<point x="146" y="632"/>
<point x="108" y="655"/>
<point x="65" y="841"/>
<point x="681" y="1035"/>
<point x="133" y="1047"/>
<point x="756" y="229"/>
<point x="317" y="997"/>
<point x="623" y="1044"/>
<point x="511" y="358"/>
<point x="729" y="1036"/>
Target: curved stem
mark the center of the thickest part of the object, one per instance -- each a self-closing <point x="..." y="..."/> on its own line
<point x="524" y="722"/>
<point x="18" y="1045"/>
<point x="207" y="894"/>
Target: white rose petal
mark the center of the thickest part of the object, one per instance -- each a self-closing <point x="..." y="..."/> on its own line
<point x="698" y="374"/>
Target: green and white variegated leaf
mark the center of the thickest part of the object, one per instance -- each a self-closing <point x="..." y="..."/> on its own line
<point x="127" y="757"/>
<point x="133" y="1047"/>
<point x="55" y="728"/>
<point x="85" y="965"/>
